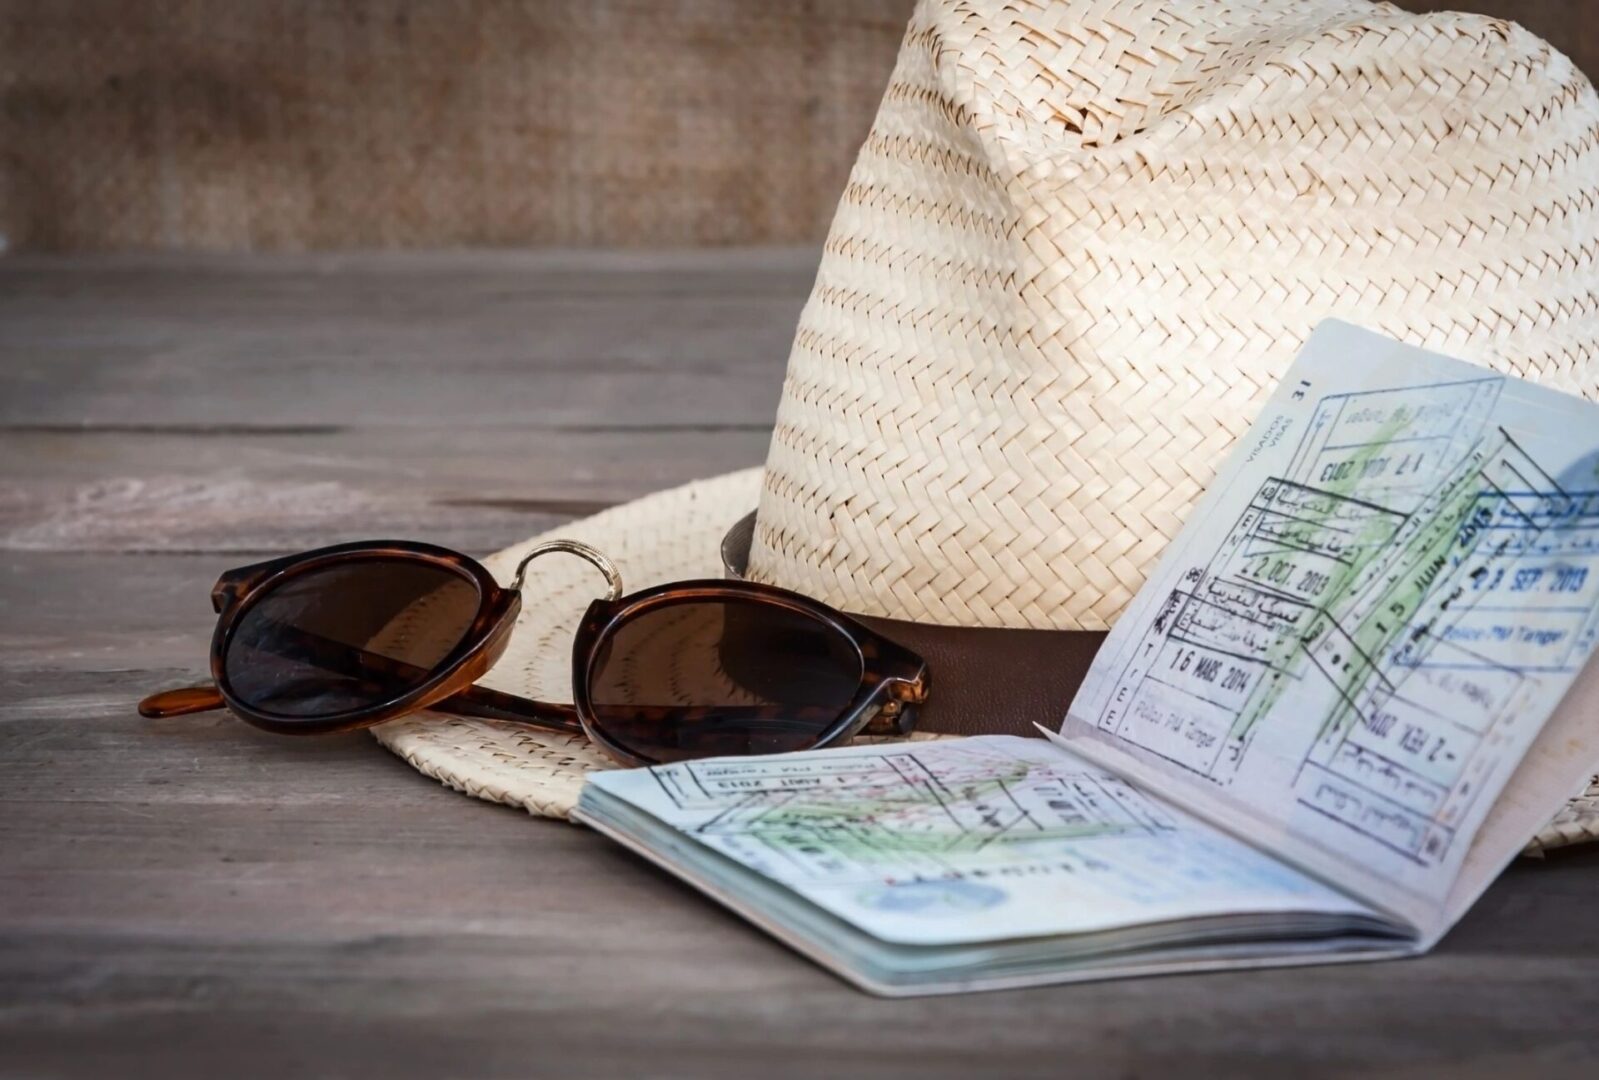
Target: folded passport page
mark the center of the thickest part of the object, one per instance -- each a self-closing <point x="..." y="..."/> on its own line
<point x="1352" y="690"/>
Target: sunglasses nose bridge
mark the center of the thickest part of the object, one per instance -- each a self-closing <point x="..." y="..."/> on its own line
<point x="593" y="556"/>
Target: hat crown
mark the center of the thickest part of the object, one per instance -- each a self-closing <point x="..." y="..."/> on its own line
<point x="1083" y="240"/>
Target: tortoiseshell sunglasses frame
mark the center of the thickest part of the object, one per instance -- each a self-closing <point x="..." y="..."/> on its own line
<point x="893" y="679"/>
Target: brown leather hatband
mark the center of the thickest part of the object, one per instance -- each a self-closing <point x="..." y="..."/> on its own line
<point x="985" y="681"/>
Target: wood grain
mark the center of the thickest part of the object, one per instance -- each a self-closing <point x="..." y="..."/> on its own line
<point x="470" y="487"/>
<point x="141" y="344"/>
<point x="195" y="897"/>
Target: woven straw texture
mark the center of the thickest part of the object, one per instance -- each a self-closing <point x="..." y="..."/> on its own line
<point x="670" y="536"/>
<point x="1083" y="240"/>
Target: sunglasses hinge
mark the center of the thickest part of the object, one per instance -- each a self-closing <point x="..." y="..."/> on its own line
<point x="893" y="718"/>
<point x="906" y="691"/>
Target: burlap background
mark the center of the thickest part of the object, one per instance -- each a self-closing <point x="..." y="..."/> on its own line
<point x="240" y="124"/>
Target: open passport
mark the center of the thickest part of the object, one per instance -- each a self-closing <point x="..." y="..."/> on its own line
<point x="1359" y="680"/>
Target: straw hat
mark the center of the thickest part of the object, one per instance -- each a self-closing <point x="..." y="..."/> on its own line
<point x="1079" y="245"/>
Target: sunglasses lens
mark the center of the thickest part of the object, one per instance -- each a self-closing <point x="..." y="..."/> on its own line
<point x="712" y="677"/>
<point x="349" y="636"/>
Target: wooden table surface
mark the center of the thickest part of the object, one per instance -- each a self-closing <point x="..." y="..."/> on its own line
<point x="194" y="896"/>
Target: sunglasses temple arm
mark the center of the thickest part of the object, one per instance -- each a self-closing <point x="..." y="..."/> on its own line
<point x="190" y="699"/>
<point x="484" y="704"/>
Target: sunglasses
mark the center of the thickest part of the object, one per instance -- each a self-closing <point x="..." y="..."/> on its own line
<point x="349" y="636"/>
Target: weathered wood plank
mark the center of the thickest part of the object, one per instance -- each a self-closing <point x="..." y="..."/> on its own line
<point x="616" y="273"/>
<point x="74" y="737"/>
<point x="521" y="342"/>
<point x="649" y="998"/>
<point x="103" y="613"/>
<point x="481" y="488"/>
